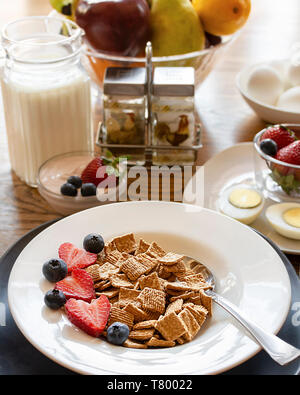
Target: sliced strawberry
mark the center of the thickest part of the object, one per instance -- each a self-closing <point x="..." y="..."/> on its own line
<point x="95" y="172"/>
<point x="91" y="318"/>
<point x="79" y="285"/>
<point x="76" y="258"/>
<point x="280" y="134"/>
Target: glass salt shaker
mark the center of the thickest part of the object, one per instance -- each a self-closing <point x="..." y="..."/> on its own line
<point x="124" y="109"/>
<point x="173" y="115"/>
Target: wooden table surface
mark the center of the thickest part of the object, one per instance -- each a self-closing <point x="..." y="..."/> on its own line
<point x="272" y="29"/>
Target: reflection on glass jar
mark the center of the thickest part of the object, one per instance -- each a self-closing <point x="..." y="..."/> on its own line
<point x="124" y="106"/>
<point x="46" y="93"/>
<point x="173" y="115"/>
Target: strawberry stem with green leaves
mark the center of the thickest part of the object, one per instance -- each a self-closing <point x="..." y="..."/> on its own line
<point x="112" y="163"/>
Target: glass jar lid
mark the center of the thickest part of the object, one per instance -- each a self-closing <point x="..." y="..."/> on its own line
<point x="174" y="81"/>
<point x="125" y="81"/>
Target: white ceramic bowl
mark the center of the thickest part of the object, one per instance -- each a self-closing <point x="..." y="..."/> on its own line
<point x="266" y="112"/>
<point x="248" y="272"/>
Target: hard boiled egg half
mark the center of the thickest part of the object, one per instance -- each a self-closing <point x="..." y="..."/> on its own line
<point x="285" y="219"/>
<point x="241" y="202"/>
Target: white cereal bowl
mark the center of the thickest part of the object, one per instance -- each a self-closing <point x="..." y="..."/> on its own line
<point x="248" y="272"/>
<point x="266" y="112"/>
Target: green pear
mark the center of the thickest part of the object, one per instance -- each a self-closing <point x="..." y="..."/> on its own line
<point x="176" y="28"/>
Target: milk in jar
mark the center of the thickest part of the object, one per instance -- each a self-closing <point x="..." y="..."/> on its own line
<point x="46" y="96"/>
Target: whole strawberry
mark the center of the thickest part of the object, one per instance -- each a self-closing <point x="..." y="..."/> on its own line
<point x="280" y="134"/>
<point x="94" y="173"/>
<point x="290" y="154"/>
<point x="287" y="177"/>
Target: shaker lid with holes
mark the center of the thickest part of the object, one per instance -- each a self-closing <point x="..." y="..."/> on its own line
<point x="125" y="81"/>
<point x="174" y="81"/>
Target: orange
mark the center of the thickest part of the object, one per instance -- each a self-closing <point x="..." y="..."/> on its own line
<point x="222" y="17"/>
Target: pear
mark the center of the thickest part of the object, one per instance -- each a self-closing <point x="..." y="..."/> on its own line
<point x="176" y="28"/>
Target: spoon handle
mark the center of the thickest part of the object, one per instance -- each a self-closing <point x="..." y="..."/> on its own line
<point x="279" y="351"/>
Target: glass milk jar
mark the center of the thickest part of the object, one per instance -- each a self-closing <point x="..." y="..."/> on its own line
<point x="46" y="93"/>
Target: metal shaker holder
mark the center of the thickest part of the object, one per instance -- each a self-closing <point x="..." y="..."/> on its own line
<point x="148" y="146"/>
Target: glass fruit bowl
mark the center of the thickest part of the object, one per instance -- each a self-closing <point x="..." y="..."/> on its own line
<point x="56" y="171"/>
<point x="279" y="181"/>
<point x="202" y="61"/>
<point x="96" y="62"/>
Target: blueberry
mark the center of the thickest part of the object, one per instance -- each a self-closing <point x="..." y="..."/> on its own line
<point x="269" y="147"/>
<point x="68" y="189"/>
<point x="55" y="270"/>
<point x="55" y="299"/>
<point x="88" y="189"/>
<point x="117" y="333"/>
<point x="75" y="180"/>
<point x="93" y="243"/>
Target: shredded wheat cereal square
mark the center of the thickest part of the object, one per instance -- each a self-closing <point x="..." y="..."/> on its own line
<point x="133" y="269"/>
<point x="154" y="342"/>
<point x="93" y="271"/>
<point x="201" y="309"/>
<point x="127" y="295"/>
<point x="170" y="258"/>
<point x="206" y="301"/>
<point x="125" y="243"/>
<point x="119" y="315"/>
<point x="162" y="273"/>
<point x="155" y="250"/>
<point x="110" y="293"/>
<point x="171" y="327"/>
<point x="175" y="306"/>
<point x="106" y="270"/>
<point x="153" y="299"/>
<point x="120" y="281"/>
<point x="142" y="247"/>
<point x="150" y="281"/>
<point x="145" y="324"/>
<point x="133" y="344"/>
<point x="191" y="324"/>
<point x="142" y="334"/>
<point x="200" y="318"/>
<point x="147" y="261"/>
<point x="139" y="314"/>
<point x="114" y="257"/>
<point x="101" y="285"/>
<point x="109" y="247"/>
<point x="151" y="315"/>
<point x="184" y="296"/>
<point x="178" y="268"/>
<point x="181" y="340"/>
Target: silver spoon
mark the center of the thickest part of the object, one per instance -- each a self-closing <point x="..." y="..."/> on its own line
<point x="280" y="351"/>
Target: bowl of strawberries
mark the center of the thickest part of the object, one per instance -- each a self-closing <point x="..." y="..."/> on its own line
<point x="277" y="162"/>
<point x="76" y="181"/>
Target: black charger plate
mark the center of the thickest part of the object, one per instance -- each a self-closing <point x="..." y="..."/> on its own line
<point x="19" y="357"/>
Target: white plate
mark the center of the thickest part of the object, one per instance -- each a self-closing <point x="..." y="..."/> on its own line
<point x="248" y="272"/>
<point x="230" y="167"/>
<point x="266" y="112"/>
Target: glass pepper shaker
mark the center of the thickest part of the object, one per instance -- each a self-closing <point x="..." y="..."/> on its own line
<point x="173" y="115"/>
<point x="124" y="108"/>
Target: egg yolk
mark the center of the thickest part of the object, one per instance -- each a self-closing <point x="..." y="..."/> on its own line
<point x="292" y="217"/>
<point x="245" y="198"/>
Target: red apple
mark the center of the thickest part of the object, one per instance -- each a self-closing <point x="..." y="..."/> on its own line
<point x="119" y="27"/>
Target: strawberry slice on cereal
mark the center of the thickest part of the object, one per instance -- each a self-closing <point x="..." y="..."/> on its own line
<point x="91" y="318"/>
<point x="76" y="258"/>
<point x="79" y="285"/>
